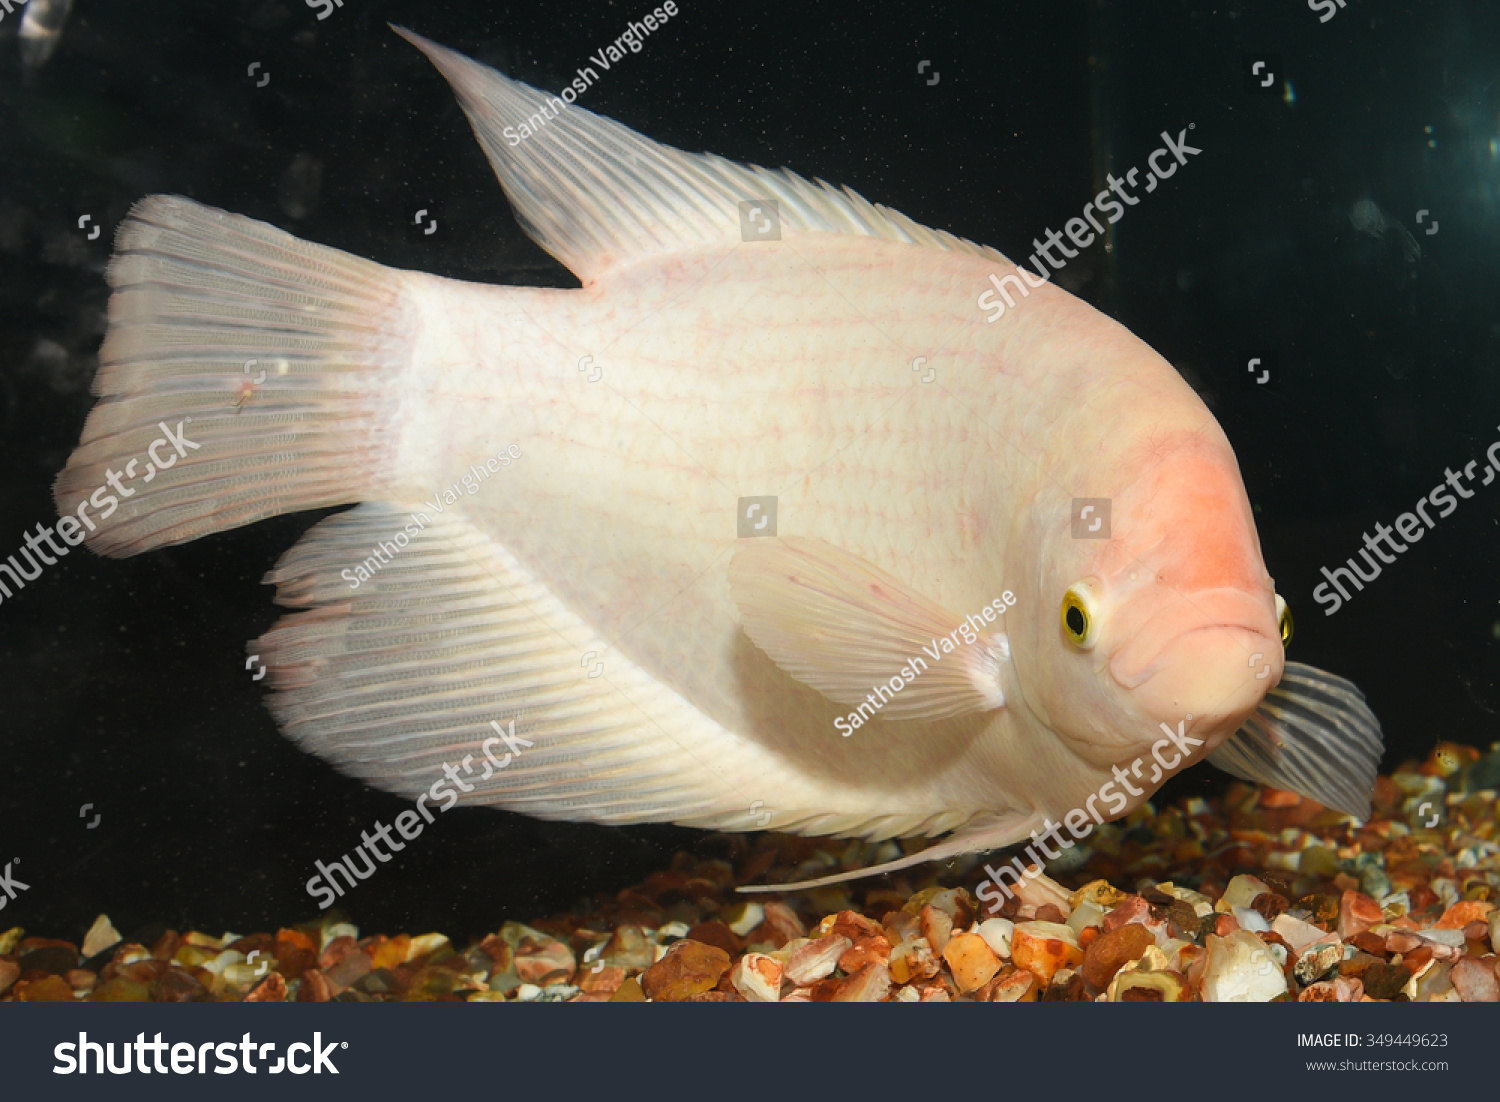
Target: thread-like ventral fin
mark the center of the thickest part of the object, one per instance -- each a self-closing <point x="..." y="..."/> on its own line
<point x="1002" y="829"/>
<point x="1313" y="735"/>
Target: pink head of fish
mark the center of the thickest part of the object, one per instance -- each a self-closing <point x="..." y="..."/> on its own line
<point x="1181" y="614"/>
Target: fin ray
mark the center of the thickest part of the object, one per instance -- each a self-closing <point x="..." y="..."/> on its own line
<point x="992" y="832"/>
<point x="842" y="625"/>
<point x="391" y="681"/>
<point x="1313" y="735"/>
<point x="273" y="355"/>
<point x="595" y="194"/>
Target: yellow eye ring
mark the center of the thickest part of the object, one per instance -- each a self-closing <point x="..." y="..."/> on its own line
<point x="1284" y="620"/>
<point x="1077" y="619"/>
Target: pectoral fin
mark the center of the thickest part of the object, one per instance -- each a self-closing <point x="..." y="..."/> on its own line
<point x="1313" y="735"/>
<point x="842" y="625"/>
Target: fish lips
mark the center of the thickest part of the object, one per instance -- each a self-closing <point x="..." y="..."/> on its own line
<point x="1154" y="626"/>
<point x="1214" y="655"/>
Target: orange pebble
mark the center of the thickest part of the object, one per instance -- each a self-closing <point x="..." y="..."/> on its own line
<point x="1461" y="914"/>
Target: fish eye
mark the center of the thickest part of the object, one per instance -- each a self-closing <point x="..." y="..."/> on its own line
<point x="1078" y="621"/>
<point x="1284" y="620"/>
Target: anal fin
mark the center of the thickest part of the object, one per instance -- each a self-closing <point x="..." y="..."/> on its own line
<point x="443" y="635"/>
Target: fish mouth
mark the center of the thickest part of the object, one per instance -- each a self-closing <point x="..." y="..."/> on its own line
<point x="1219" y="622"/>
<point x="1217" y="674"/>
<point x="1244" y="638"/>
<point x="1212" y="655"/>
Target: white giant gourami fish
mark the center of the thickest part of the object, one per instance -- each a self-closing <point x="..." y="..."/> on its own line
<point x="594" y="599"/>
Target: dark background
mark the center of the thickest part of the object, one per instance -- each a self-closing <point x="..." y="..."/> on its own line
<point x="123" y="683"/>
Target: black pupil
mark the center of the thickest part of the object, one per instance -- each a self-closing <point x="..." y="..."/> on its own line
<point x="1076" y="623"/>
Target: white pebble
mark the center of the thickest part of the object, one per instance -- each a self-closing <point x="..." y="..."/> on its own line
<point x="223" y="961"/>
<point x="1086" y="914"/>
<point x="1240" y="969"/>
<point x="754" y="914"/>
<point x="1240" y="892"/>
<point x="1454" y="938"/>
<point x="1252" y="920"/>
<point x="997" y="934"/>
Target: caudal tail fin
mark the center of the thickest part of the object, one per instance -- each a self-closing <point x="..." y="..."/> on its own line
<point x="245" y="374"/>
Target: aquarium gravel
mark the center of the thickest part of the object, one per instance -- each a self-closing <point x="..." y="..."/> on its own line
<point x="1258" y="896"/>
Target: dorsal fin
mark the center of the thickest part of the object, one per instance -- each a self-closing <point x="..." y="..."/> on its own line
<point x="596" y="194"/>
